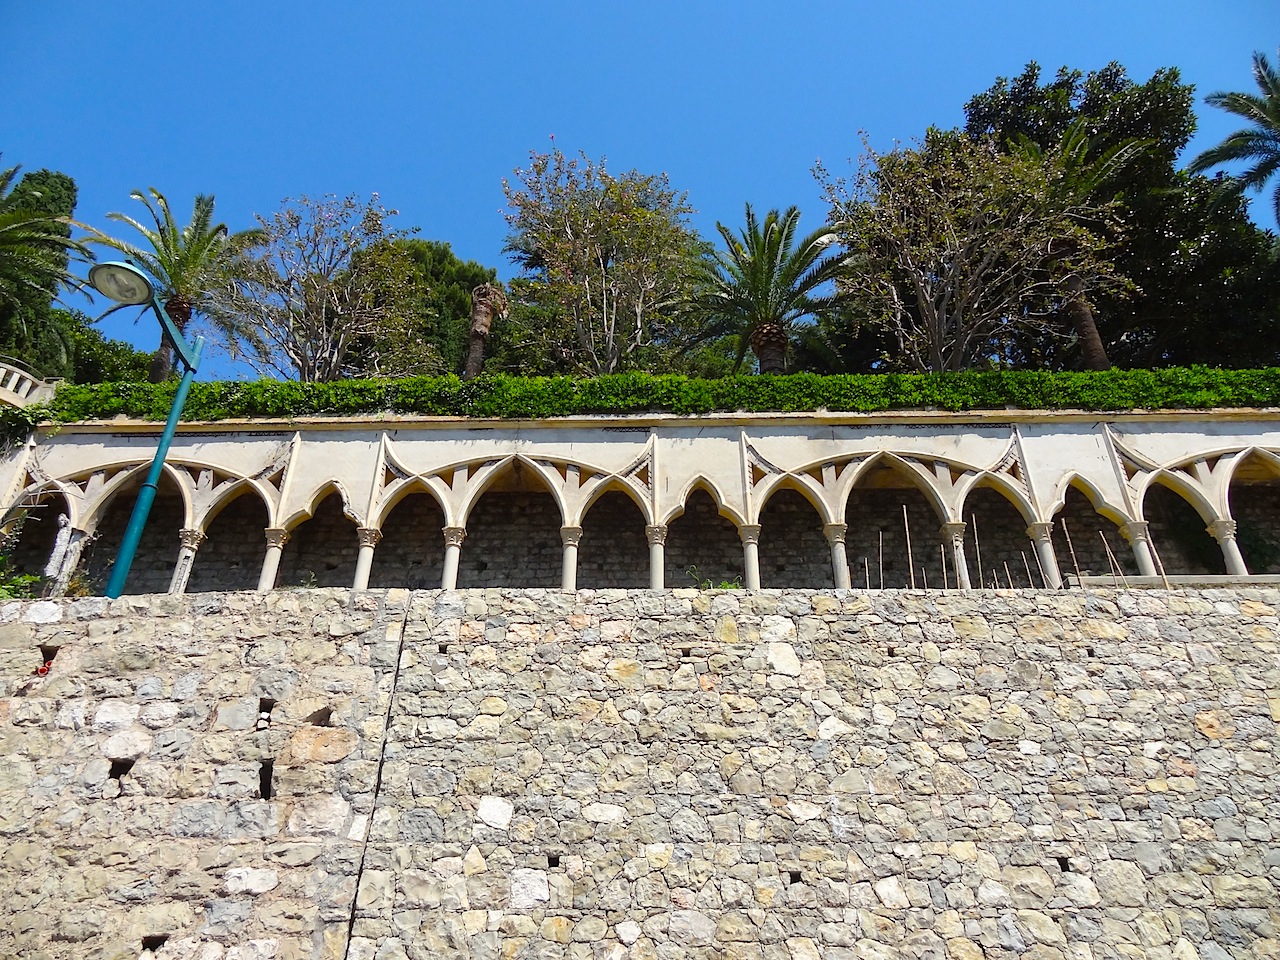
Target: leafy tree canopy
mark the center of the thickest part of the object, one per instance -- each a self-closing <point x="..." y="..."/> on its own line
<point x="607" y="260"/>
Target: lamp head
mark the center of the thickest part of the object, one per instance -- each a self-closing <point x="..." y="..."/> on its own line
<point x="122" y="282"/>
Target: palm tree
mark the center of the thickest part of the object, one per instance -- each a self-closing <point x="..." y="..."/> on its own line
<point x="34" y="248"/>
<point x="764" y="283"/>
<point x="189" y="262"/>
<point x="1084" y="186"/>
<point x="1259" y="143"/>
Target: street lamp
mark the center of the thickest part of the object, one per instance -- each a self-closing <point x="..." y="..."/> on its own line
<point x="128" y="286"/>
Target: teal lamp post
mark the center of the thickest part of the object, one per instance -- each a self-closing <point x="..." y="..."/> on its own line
<point x="128" y="286"/>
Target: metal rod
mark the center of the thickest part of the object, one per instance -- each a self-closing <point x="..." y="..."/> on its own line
<point x="977" y="545"/>
<point x="942" y="554"/>
<point x="1007" y="575"/>
<point x="1030" y="582"/>
<point x="147" y="495"/>
<point x="911" y="564"/>
<point x="1074" y="562"/>
<point x="1113" y="562"/>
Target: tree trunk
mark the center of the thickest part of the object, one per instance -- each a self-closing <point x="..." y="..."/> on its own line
<point x="179" y="310"/>
<point x="769" y="344"/>
<point x="1080" y="312"/>
<point x="486" y="300"/>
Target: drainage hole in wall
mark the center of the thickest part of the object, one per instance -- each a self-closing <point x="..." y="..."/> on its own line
<point x="1064" y="864"/>
<point x="154" y="942"/>
<point x="443" y="648"/>
<point x="553" y="859"/>
<point x="321" y="718"/>
<point x="264" y="779"/>
<point x="119" y="768"/>
<point x="686" y="653"/>
<point x="265" y="706"/>
<point x="47" y="654"/>
<point x="1088" y="651"/>
<point x="893" y="651"/>
<point x="793" y="876"/>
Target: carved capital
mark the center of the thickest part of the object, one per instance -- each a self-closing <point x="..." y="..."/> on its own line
<point x="277" y="537"/>
<point x="453" y="536"/>
<point x="368" y="536"/>
<point x="953" y="532"/>
<point x="656" y="533"/>
<point x="1135" y="530"/>
<point x="750" y="533"/>
<point x="835" y="532"/>
<point x="1222" y="530"/>
<point x="190" y="538"/>
<point x="570" y="536"/>
<point x="1042" y="532"/>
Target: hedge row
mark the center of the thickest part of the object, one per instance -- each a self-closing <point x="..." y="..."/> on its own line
<point x="635" y="393"/>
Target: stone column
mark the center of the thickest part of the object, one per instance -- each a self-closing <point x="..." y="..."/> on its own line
<point x="65" y="557"/>
<point x="277" y="537"/>
<point x="453" y="537"/>
<point x="1041" y="535"/>
<point x="1224" y="531"/>
<point x="1135" y="531"/>
<point x="569" y="537"/>
<point x="834" y="532"/>
<point x="953" y="535"/>
<point x="750" y="534"/>
<point x="656" y="534"/>
<point x="191" y="539"/>
<point x="369" y="538"/>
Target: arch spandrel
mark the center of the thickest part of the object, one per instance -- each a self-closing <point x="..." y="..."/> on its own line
<point x="307" y="509"/>
<point x="921" y="478"/>
<point x="519" y="467"/>
<point x="1180" y="483"/>
<point x="1109" y="509"/>
<point x="1016" y="494"/>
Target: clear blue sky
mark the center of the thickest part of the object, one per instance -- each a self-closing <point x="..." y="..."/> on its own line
<point x="431" y="104"/>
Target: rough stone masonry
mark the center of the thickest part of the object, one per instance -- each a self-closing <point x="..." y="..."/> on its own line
<point x="781" y="775"/>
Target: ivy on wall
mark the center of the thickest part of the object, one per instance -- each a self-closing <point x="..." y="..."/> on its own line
<point x="1190" y="388"/>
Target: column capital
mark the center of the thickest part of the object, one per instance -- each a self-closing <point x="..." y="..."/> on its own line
<point x="1041" y="530"/>
<point x="368" y="536"/>
<point x="1222" y="530"/>
<point x="656" y="533"/>
<point x="953" y="531"/>
<point x="569" y="536"/>
<point x="834" y="532"/>
<point x="749" y="532"/>
<point x="453" y="536"/>
<point x="1136" y="530"/>
<point x="190" y="538"/>
<point x="277" y="536"/>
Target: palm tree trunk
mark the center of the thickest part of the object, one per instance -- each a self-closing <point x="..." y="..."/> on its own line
<point x="179" y="310"/>
<point x="769" y="344"/>
<point x="1080" y="313"/>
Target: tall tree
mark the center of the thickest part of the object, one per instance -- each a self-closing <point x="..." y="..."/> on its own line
<point x="36" y="251"/>
<point x="318" y="290"/>
<point x="1257" y="144"/>
<point x="612" y="254"/>
<point x="960" y="251"/>
<point x="1197" y="269"/>
<point x="189" y="262"/>
<point x="765" y="283"/>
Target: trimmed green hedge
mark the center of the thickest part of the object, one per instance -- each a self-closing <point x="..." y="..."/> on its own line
<point x="636" y="393"/>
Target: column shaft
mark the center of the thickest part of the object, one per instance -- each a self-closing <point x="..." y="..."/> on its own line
<point x="750" y="534"/>
<point x="369" y="538"/>
<point x="1224" y="531"/>
<point x="1041" y="535"/>
<point x="569" y="537"/>
<point x="656" y="534"/>
<point x="453" y="537"/>
<point x="1136" y="533"/>
<point x="276" y="539"/>
<point x="835" y="533"/>
<point x="191" y="540"/>
<point x="953" y="536"/>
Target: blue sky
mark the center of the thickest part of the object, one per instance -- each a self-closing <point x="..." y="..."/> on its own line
<point x="431" y="104"/>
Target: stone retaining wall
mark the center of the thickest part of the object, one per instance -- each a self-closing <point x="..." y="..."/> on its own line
<point x="615" y="774"/>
